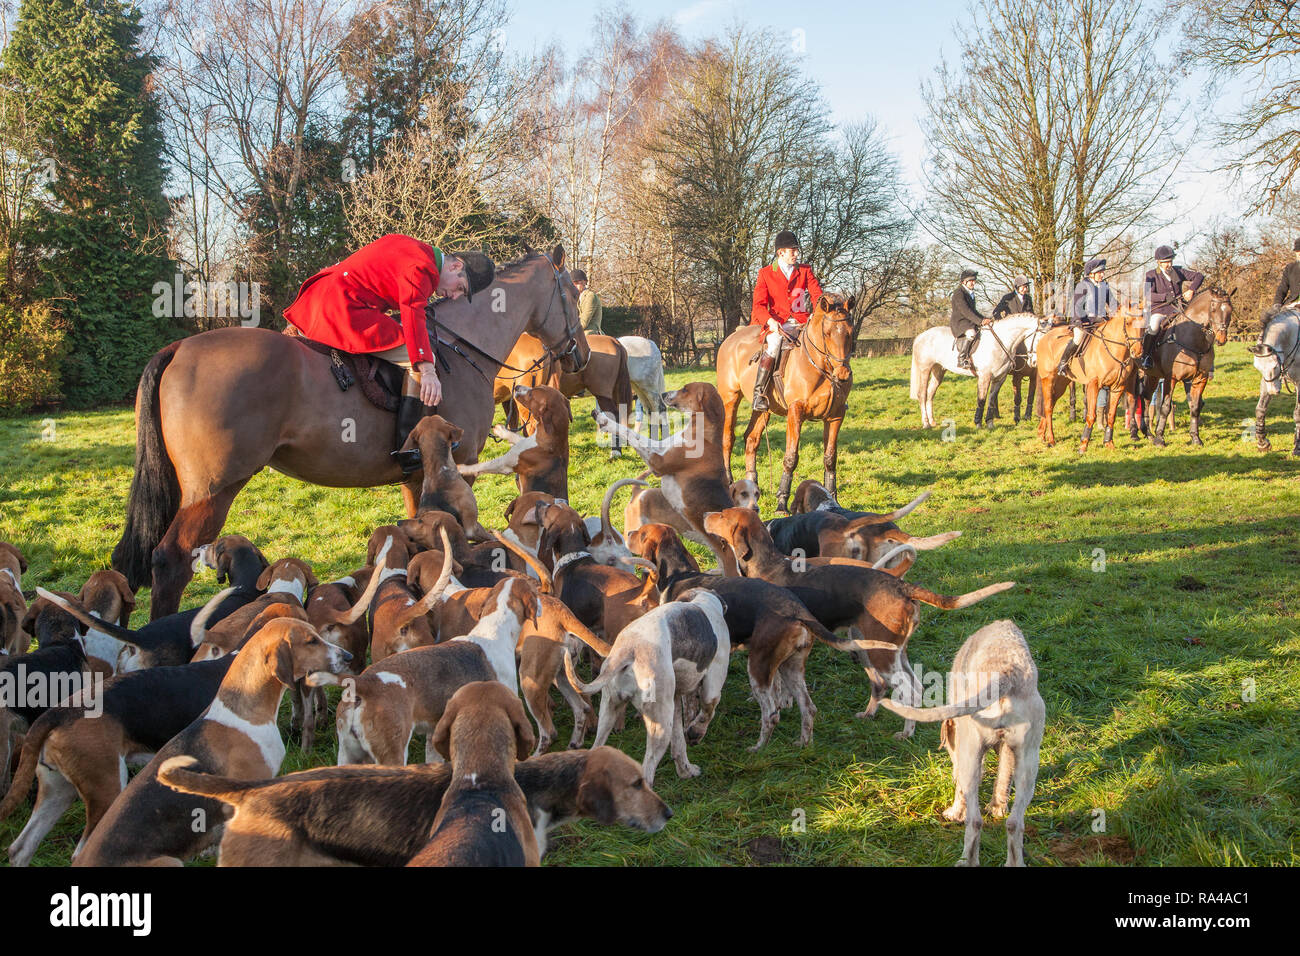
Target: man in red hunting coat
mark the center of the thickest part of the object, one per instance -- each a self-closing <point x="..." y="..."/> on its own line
<point x="346" y="306"/>
<point x="783" y="300"/>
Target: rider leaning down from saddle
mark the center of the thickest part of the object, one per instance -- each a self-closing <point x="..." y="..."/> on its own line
<point x="783" y="298"/>
<point x="346" y="307"/>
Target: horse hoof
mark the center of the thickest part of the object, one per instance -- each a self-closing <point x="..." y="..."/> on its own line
<point x="1264" y="445"/>
<point x="1109" y="444"/>
<point x="1158" y="441"/>
<point x="1197" y="442"/>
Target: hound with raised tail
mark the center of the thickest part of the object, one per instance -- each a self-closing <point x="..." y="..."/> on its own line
<point x="993" y="689"/>
<point x="659" y="659"/>
<point x="874" y="603"/>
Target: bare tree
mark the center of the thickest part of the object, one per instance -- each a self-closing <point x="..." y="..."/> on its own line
<point x="1050" y="138"/>
<point x="1258" y="41"/>
<point x="730" y="166"/>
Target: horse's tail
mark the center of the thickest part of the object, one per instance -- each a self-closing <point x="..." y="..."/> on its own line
<point x="622" y="392"/>
<point x="916" y="376"/>
<point x="155" y="491"/>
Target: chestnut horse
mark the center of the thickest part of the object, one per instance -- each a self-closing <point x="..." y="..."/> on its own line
<point x="214" y="409"/>
<point x="529" y="364"/>
<point x="1107" y="359"/>
<point x="816" y="380"/>
<point x="1187" y="357"/>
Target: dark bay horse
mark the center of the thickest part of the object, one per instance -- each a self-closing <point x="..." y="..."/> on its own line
<point x="816" y="380"/>
<point x="1187" y="357"/>
<point x="214" y="409"/>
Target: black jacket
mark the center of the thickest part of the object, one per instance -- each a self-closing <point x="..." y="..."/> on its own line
<point x="1010" y="304"/>
<point x="1162" y="293"/>
<point x="963" y="315"/>
<point x="1288" y="290"/>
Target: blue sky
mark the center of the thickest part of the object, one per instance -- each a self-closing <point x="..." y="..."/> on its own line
<point x="868" y="57"/>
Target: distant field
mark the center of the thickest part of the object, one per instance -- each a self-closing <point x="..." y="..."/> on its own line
<point x="1170" y="672"/>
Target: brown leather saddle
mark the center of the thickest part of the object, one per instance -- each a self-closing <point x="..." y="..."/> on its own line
<point x="381" y="381"/>
<point x="776" y="385"/>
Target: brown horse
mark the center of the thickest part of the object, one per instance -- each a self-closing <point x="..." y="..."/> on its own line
<point x="1107" y="359"/>
<point x="605" y="376"/>
<point x="815" y="378"/>
<point x="1187" y="356"/>
<point x="214" y="409"/>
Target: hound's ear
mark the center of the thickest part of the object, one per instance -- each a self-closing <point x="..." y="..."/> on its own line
<point x="22" y="562"/>
<point x="595" y="801"/>
<point x="442" y="733"/>
<point x="744" y="550"/>
<point x="28" y="624"/>
<point x="454" y="435"/>
<point x="311" y="579"/>
<point x="128" y="599"/>
<point x="947" y="734"/>
<point x="525" y="739"/>
<point x="510" y="509"/>
<point x="264" y="580"/>
<point x="284" y="661"/>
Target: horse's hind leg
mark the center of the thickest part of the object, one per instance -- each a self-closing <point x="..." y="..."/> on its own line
<point x="992" y="408"/>
<point x="196" y="524"/>
<point x="1074" y="415"/>
<point x="1112" y="411"/>
<point x="1295" y="447"/>
<point x="608" y="406"/>
<point x="729" y="405"/>
<point x="1165" y="406"/>
<point x="932" y="383"/>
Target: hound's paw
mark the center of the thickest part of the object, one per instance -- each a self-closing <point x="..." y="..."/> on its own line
<point x="904" y="734"/>
<point x="690" y="770"/>
<point x="955" y="814"/>
<point x="996" y="809"/>
<point x="500" y="432"/>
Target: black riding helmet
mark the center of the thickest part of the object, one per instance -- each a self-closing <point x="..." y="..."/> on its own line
<point x="479" y="270"/>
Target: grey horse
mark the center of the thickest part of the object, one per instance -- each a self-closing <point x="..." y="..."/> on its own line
<point x="1278" y="358"/>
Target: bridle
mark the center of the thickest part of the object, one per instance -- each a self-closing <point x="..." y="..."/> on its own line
<point x="807" y="347"/>
<point x="550" y="352"/>
<point x="1283" y="360"/>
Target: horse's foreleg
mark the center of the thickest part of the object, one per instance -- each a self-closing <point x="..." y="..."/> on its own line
<point x="1295" y="447"/>
<point x="984" y="389"/>
<point x="196" y="523"/>
<point x="1261" y="411"/>
<point x="753" y="433"/>
<point x="1046" y="394"/>
<point x="1164" y="407"/>
<point x="1195" y="402"/>
<point x="1074" y="415"/>
<point x="1112" y="410"/>
<point x="1015" y="386"/>
<point x="830" y="451"/>
<point x="729" y="406"/>
<point x="790" y="461"/>
<point x="992" y="407"/>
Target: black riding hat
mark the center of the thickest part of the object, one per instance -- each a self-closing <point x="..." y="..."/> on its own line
<point x="786" y="240"/>
<point x="968" y="274"/>
<point x="1163" y="253"/>
<point x="479" y="270"/>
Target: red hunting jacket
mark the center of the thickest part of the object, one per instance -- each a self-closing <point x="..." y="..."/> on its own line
<point x="773" y="290"/>
<point x="346" y="305"/>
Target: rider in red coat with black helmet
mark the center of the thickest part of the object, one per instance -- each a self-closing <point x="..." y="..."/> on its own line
<point x="347" y="306"/>
<point x="783" y="299"/>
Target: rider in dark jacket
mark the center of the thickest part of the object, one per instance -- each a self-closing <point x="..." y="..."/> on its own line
<point x="964" y="320"/>
<point x="1288" y="291"/>
<point x="1165" y="286"/>
<point x="1016" y="301"/>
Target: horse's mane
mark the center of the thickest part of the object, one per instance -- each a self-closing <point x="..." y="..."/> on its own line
<point x="507" y="267"/>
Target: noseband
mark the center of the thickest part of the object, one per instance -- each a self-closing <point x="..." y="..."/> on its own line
<point x="570" y="345"/>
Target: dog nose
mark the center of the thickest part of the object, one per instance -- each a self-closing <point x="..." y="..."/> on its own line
<point x="668" y="812"/>
<point x="347" y="656"/>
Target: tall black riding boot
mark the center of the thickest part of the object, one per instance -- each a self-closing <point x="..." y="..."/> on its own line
<point x="409" y="412"/>
<point x="963" y="353"/>
<point x="1063" y="367"/>
<point x="765" y="365"/>
<point x="1149" y="349"/>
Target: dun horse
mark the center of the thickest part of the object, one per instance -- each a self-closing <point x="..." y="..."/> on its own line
<point x="815" y="377"/>
<point x="1107" y="359"/>
<point x="605" y="376"/>
<point x="214" y="409"/>
<point x="1187" y="357"/>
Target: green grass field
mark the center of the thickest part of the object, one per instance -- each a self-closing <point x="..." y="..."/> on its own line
<point x="1170" y="676"/>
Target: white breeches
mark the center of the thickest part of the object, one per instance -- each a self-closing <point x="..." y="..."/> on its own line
<point x="1153" y="321"/>
<point x="1077" y="334"/>
<point x="774" y="339"/>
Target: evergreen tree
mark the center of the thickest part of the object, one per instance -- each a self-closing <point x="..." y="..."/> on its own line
<point x="88" y="89"/>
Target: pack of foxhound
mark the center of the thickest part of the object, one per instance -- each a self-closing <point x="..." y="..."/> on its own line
<point x="460" y="632"/>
